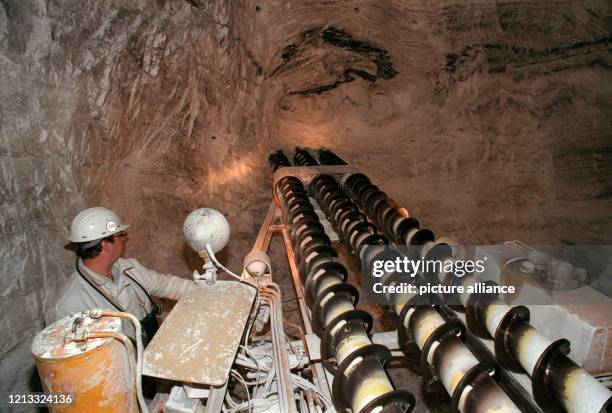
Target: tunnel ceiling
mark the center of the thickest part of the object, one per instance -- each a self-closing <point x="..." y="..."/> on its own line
<point x="488" y="120"/>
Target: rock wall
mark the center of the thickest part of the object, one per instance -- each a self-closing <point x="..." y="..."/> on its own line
<point x="488" y="120"/>
<point x="167" y="121"/>
<point x="37" y="191"/>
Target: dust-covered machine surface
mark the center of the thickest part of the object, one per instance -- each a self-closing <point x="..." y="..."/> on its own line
<point x="199" y="340"/>
<point x="225" y="347"/>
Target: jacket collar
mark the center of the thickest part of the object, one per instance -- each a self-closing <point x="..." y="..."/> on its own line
<point x="100" y="279"/>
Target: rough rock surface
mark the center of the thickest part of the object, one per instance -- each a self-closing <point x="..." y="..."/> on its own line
<point x="488" y="120"/>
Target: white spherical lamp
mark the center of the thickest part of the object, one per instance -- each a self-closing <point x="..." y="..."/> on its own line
<point x="206" y="226"/>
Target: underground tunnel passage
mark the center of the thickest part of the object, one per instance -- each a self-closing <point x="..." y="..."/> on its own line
<point x="350" y="206"/>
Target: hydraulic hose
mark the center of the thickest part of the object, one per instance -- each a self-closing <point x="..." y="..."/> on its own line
<point x="86" y="335"/>
<point x="97" y="313"/>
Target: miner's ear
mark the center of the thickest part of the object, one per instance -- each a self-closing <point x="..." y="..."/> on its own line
<point x="104" y="244"/>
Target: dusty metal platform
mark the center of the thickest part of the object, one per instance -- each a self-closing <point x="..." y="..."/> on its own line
<point x="200" y="338"/>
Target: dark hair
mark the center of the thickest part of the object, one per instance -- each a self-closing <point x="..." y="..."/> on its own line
<point x="93" y="251"/>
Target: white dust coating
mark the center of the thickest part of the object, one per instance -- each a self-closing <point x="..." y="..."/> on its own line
<point x="198" y="341"/>
<point x="582" y="393"/>
<point x="426" y="325"/>
<point x="494" y="316"/>
<point x="49" y="343"/>
<point x="531" y="347"/>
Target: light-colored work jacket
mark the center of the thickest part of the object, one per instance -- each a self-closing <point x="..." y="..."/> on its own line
<point x="78" y="295"/>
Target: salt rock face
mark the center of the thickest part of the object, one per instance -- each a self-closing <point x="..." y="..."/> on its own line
<point x="488" y="121"/>
<point x="168" y="122"/>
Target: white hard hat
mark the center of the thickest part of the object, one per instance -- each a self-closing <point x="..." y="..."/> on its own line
<point x="95" y="223"/>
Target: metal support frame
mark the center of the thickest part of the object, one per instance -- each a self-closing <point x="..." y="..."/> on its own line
<point x="262" y="243"/>
<point x="216" y="396"/>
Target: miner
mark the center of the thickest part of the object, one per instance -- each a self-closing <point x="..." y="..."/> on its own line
<point x="103" y="279"/>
